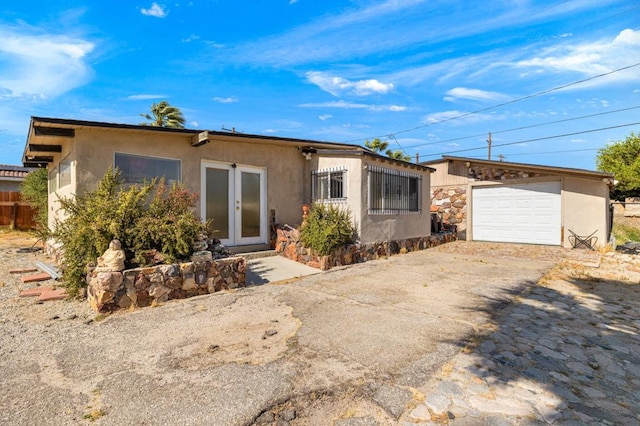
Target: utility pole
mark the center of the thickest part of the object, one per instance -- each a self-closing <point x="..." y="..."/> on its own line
<point x="489" y="143"/>
<point x="417" y="158"/>
<point x="501" y="157"/>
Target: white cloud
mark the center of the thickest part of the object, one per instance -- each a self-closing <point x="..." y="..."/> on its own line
<point x="155" y="10"/>
<point x="351" y="105"/>
<point x="324" y="117"/>
<point x="227" y="100"/>
<point x="194" y="124"/>
<point x="337" y="85"/>
<point x="457" y="117"/>
<point x="269" y="131"/>
<point x="293" y="1"/>
<point x="191" y="38"/>
<point x="43" y="65"/>
<point x="591" y="58"/>
<point x="472" y="94"/>
<point x="578" y="140"/>
<point x="143" y="97"/>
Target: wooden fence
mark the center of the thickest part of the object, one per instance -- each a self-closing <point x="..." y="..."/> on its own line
<point x="15" y="213"/>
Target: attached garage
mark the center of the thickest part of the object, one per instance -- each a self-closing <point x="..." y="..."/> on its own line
<point x="520" y="203"/>
<point x="519" y="213"/>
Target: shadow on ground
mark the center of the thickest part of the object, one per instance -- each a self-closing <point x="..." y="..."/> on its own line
<point x="566" y="350"/>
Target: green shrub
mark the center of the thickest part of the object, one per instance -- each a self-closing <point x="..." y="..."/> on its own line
<point x="327" y="228"/>
<point x="165" y="223"/>
<point x="34" y="191"/>
<point x="168" y="225"/>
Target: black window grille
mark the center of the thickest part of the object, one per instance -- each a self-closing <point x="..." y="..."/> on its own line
<point x="393" y="191"/>
<point x="328" y="185"/>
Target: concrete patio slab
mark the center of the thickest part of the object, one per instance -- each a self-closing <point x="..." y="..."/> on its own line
<point x="275" y="268"/>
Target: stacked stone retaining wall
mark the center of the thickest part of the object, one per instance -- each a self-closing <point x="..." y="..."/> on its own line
<point x="110" y="291"/>
<point x="288" y="245"/>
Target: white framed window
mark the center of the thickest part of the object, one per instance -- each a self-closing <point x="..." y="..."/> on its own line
<point x="140" y="168"/>
<point x="64" y="177"/>
<point x="53" y="180"/>
<point x="329" y="184"/>
<point x="393" y="191"/>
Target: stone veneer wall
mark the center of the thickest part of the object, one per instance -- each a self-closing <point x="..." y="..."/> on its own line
<point x="451" y="201"/>
<point x="288" y="244"/>
<point x="496" y="173"/>
<point x="110" y="291"/>
<point x="452" y="205"/>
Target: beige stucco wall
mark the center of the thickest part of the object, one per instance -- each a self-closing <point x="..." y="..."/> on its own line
<point x="55" y="213"/>
<point x="97" y="147"/>
<point x="288" y="173"/>
<point x="379" y="227"/>
<point x="585" y="208"/>
<point x="353" y="188"/>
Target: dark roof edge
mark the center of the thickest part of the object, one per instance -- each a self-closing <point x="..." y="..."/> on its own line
<point x="15" y="168"/>
<point x="506" y="164"/>
<point x="306" y="142"/>
<point x="71" y="122"/>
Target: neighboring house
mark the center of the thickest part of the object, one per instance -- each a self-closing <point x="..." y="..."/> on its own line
<point x="247" y="183"/>
<point x="521" y="203"/>
<point x="14" y="212"/>
<point x="11" y="177"/>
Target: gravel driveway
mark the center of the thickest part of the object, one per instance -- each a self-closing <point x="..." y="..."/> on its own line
<point x="350" y="346"/>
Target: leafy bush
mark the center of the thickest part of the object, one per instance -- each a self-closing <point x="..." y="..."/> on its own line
<point x="327" y="228"/>
<point x="166" y="223"/>
<point x="34" y="191"/>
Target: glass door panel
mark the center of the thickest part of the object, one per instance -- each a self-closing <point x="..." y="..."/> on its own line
<point x="250" y="201"/>
<point x="217" y="201"/>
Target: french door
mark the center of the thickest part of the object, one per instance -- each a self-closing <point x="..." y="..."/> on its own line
<point x="234" y="199"/>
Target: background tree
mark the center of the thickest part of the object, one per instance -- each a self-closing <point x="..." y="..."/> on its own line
<point x="164" y="115"/>
<point x="376" y="145"/>
<point x="622" y="158"/>
<point x="34" y="191"/>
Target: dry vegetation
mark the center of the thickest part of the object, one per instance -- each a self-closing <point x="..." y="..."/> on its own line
<point x="626" y="228"/>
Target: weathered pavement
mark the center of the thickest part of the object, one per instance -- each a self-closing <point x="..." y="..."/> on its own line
<point x="395" y="341"/>
<point x="567" y="351"/>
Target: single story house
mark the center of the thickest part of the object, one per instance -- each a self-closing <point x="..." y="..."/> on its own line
<point x="11" y="177"/>
<point x="521" y="203"/>
<point x="246" y="183"/>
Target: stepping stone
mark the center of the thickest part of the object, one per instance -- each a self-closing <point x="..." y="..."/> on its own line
<point x="57" y="294"/>
<point x="22" y="271"/>
<point x="42" y="276"/>
<point x="30" y="292"/>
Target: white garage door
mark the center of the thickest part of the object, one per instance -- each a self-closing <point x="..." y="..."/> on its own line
<point x="526" y="213"/>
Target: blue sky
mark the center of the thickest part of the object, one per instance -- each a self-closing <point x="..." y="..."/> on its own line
<point x="431" y="77"/>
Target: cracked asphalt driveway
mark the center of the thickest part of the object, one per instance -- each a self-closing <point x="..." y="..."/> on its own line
<point x="323" y="349"/>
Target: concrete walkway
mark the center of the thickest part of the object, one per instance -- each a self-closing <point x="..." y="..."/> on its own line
<point x="271" y="269"/>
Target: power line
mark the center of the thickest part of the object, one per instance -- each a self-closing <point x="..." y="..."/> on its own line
<point x="537" y="139"/>
<point x="513" y="101"/>
<point x="554" y="152"/>
<point x="525" y="127"/>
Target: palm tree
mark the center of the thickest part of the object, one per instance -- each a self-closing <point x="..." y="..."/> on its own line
<point x="379" y="146"/>
<point x="164" y="115"/>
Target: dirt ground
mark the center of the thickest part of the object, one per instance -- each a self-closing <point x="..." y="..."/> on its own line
<point x="320" y="350"/>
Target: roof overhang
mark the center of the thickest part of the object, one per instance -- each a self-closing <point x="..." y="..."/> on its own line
<point x="523" y="166"/>
<point x="47" y="136"/>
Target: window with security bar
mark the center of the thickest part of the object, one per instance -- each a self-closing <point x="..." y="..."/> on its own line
<point x="329" y="185"/>
<point x="393" y="191"/>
